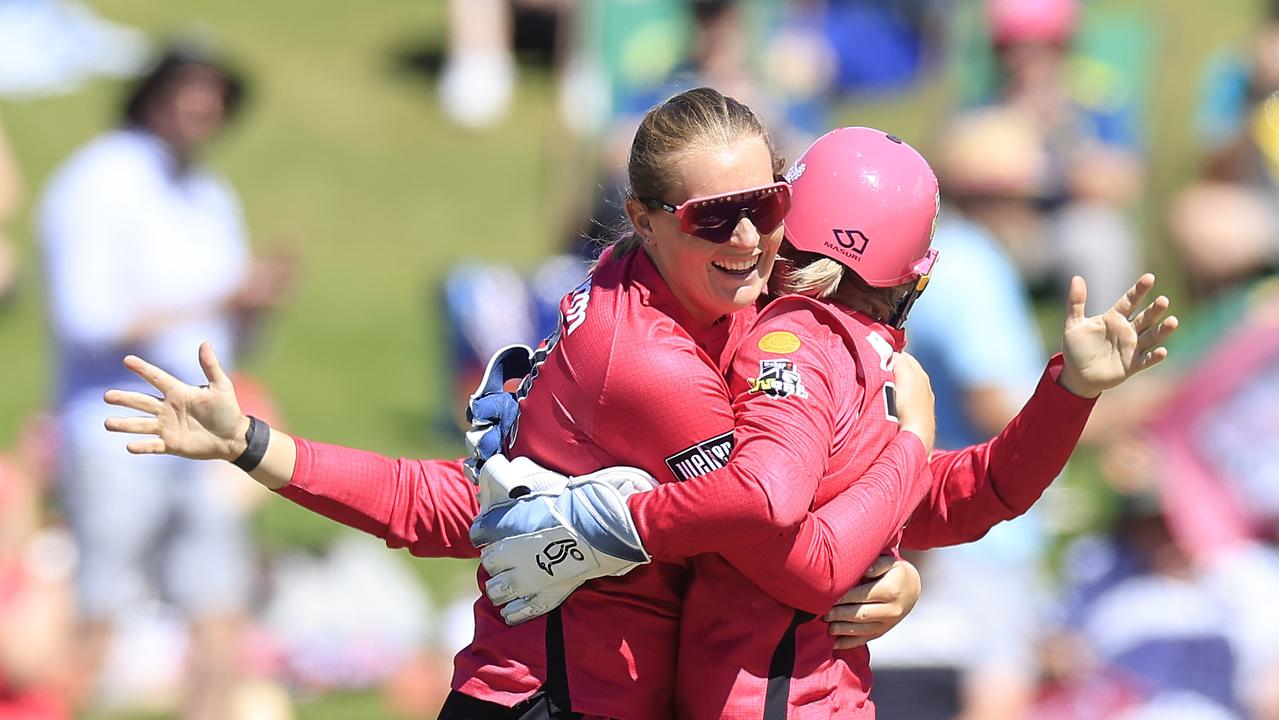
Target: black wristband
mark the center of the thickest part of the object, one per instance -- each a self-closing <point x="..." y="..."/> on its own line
<point x="256" y="439"/>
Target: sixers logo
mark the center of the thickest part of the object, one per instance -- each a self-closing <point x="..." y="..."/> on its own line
<point x="779" y="379"/>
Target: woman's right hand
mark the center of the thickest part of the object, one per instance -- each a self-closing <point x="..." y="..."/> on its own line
<point x="914" y="398"/>
<point x="201" y="423"/>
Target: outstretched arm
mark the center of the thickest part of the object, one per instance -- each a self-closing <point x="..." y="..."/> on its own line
<point x="784" y="440"/>
<point x="425" y="506"/>
<point x="784" y="435"/>
<point x="976" y="487"/>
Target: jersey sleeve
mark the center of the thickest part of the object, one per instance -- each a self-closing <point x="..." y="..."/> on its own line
<point x="812" y="566"/>
<point x="784" y="431"/>
<point x="981" y="485"/>
<point x="426" y="506"/>
<point x="782" y="442"/>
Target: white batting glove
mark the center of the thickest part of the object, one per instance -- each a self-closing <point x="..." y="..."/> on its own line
<point x="541" y="546"/>
<point x="502" y="481"/>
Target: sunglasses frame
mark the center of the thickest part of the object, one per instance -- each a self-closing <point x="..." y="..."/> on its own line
<point x="680" y="211"/>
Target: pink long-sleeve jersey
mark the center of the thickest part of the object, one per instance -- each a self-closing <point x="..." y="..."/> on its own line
<point x="813" y="389"/>
<point x="627" y="382"/>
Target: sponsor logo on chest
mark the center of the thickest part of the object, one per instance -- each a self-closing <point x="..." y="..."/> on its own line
<point x="705" y="457"/>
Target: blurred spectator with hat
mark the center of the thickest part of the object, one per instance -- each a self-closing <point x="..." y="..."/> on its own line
<point x="1094" y="173"/>
<point x="983" y="363"/>
<point x="972" y="644"/>
<point x="145" y="251"/>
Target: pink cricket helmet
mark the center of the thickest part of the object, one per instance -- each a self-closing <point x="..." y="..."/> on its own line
<point x="868" y="200"/>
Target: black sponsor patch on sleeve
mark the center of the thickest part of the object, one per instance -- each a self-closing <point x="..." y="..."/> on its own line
<point x="703" y="458"/>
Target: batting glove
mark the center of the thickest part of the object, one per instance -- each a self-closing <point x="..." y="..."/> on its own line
<point x="541" y="546"/>
<point x="502" y="481"/>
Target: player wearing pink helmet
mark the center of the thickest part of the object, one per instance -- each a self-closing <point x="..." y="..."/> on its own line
<point x="812" y="381"/>
<point x="879" y="223"/>
<point x="634" y="377"/>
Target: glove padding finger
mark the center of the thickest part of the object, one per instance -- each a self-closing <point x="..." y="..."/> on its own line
<point x="498" y="589"/>
<point x="626" y="480"/>
<point x="482" y="443"/>
<point x="492" y="411"/>
<point x="501" y="481"/>
<point x="509" y="363"/>
<point x="523" y="609"/>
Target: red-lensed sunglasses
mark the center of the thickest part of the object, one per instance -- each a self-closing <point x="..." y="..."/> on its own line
<point x="714" y="217"/>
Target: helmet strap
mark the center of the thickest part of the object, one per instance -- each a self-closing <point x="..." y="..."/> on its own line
<point x="897" y="320"/>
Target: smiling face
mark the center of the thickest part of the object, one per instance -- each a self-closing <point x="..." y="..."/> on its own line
<point x="711" y="280"/>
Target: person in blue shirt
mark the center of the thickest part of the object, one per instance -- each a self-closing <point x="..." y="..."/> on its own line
<point x="974" y="643"/>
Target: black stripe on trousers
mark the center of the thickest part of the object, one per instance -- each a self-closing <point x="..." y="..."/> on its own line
<point x="781" y="668"/>
<point x="464" y="707"/>
<point x="549" y="703"/>
<point x="556" y="686"/>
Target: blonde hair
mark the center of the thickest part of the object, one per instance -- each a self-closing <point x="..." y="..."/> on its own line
<point x="817" y="276"/>
<point x="694" y="119"/>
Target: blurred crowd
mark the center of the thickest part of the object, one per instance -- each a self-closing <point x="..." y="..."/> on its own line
<point x="1141" y="587"/>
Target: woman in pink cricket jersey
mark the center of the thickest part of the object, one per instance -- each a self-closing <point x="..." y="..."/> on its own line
<point x="633" y="377"/>
<point x="812" y="390"/>
<point x="614" y="648"/>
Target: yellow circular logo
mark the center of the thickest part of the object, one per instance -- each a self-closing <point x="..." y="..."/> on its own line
<point x="780" y="342"/>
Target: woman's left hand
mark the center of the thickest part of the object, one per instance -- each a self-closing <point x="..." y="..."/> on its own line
<point x="1104" y="350"/>
<point x="885" y="597"/>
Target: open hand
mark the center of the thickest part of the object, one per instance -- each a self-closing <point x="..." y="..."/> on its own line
<point x="1104" y="350"/>
<point x="200" y="423"/>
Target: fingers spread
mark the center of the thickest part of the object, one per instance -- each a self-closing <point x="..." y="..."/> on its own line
<point x="1149" y="350"/>
<point x="1076" y="299"/>
<point x="135" y="425"/>
<point x="1131" y="300"/>
<point x="213" y="368"/>
<point x="154" y="446"/>
<point x="159" y="379"/>
<point x="134" y="401"/>
<point x="1157" y="335"/>
<point x="1153" y="358"/>
<point x="1149" y="317"/>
